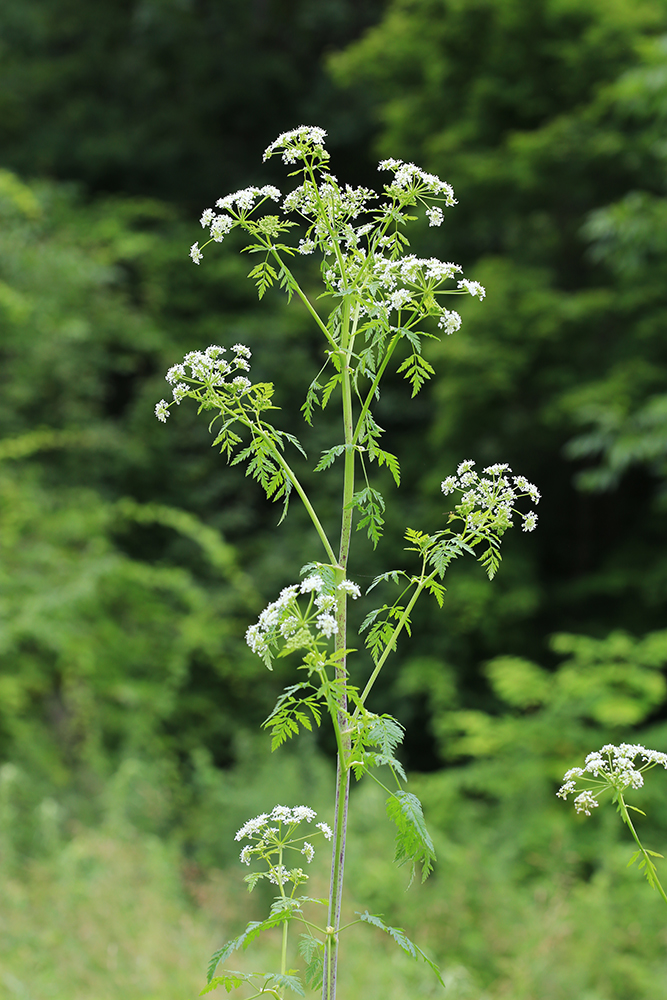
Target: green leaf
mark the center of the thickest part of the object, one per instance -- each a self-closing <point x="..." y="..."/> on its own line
<point x="417" y="370"/>
<point x="312" y="400"/>
<point x="286" y="981"/>
<point x="231" y="981"/>
<point x="402" y="940"/>
<point x="329" y="457"/>
<point x="289" y="714"/>
<point x="264" y="276"/>
<point x="253" y="930"/>
<point x="392" y="575"/>
<point x="311" y="950"/>
<point x="413" y="842"/>
<point x="385" y="458"/>
<point x="371" y="505"/>
<point x="331" y="385"/>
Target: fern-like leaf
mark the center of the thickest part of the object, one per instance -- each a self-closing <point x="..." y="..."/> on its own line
<point x="413" y="842"/>
<point x="401" y="939"/>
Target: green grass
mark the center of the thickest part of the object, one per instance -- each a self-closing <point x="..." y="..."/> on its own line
<point x="115" y="912"/>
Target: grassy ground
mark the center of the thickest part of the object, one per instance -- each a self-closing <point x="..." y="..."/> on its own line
<point x="120" y="916"/>
<point x="112" y="911"/>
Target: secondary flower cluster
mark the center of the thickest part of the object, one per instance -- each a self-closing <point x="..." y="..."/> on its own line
<point x="207" y="370"/>
<point x="271" y="834"/>
<point x="238" y="204"/>
<point x="299" y="143"/>
<point x="492" y="495"/>
<point x="613" y="767"/>
<point x="282" y="620"/>
<point x="408" y="177"/>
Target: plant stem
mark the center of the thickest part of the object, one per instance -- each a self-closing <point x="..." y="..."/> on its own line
<point x="340" y="723"/>
<point x="423" y="581"/>
<point x="306" y="301"/>
<point x="302" y="494"/>
<point x="649" y="863"/>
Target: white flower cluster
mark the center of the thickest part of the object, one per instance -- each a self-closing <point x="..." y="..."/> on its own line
<point x="407" y="176"/>
<point x="238" y="202"/>
<point x="450" y="321"/>
<point x="281" y="617"/>
<point x="208" y="369"/>
<point x="473" y="287"/>
<point x="387" y="278"/>
<point x="297" y="143"/>
<point x="495" y="492"/>
<point x="612" y="767"/>
<point x="279" y="814"/>
<point x="244" y="200"/>
<point x="258" y="636"/>
<point x="267" y="841"/>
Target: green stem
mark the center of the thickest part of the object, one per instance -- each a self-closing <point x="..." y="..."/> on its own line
<point x="306" y="301"/>
<point x="423" y="581"/>
<point x="647" y="859"/>
<point x="376" y="381"/>
<point x="302" y="494"/>
<point x="339" y="718"/>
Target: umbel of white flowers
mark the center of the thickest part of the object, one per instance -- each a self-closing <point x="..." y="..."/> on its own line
<point x="493" y="493"/>
<point x="613" y="768"/>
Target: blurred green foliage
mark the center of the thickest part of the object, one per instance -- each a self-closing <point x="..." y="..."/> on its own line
<point x="128" y="549"/>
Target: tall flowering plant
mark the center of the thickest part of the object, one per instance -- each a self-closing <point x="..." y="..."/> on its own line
<point x="378" y="304"/>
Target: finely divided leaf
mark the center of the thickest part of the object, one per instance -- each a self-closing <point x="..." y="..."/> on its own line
<point x="417" y="371"/>
<point x="402" y="940"/>
<point x="329" y="457"/>
<point x="253" y="930"/>
<point x="263" y="275"/>
<point x="413" y="841"/>
<point x="312" y="951"/>
<point x="230" y="980"/>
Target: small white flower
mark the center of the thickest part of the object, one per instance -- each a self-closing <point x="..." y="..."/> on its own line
<point x="289" y="626"/>
<point x="246" y="854"/>
<point x="327" y="625"/>
<point x="243" y="350"/>
<point x="207" y="218"/>
<point x="464" y="467"/>
<point x="175" y="373"/>
<point x="473" y="287"/>
<point x="450" y="321"/>
<point x="196" y="253"/>
<point x="252" y="826"/>
<point x="585" y="802"/>
<point x="448" y="485"/>
<point x="530" y="521"/>
<point x="281" y="814"/>
<point x="326" y="830"/>
<point x="296" y="142"/>
<point x="350" y="588"/>
<point x="399" y="298"/>
<point x="325" y="602"/>
<point x="180" y="391"/>
<point x="434" y="216"/>
<point x="306" y="247"/>
<point x="278" y="875"/>
<point x="308" y="850"/>
<point x="162" y="410"/>
<point x="312" y="583"/>
<point x="301" y="813"/>
<point x="241" y="382"/>
<point x="220" y="226"/>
